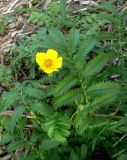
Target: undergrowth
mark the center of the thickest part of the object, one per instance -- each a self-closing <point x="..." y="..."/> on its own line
<point x="79" y="112"/>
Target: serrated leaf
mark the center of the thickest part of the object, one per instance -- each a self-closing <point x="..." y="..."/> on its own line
<point x="106" y="36"/>
<point x="8" y="98"/>
<point x="86" y="46"/>
<point x="55" y="39"/>
<point x="65" y="84"/>
<point x="5" y="138"/>
<point x="16" y="117"/>
<point x="110" y="7"/>
<point x="57" y="127"/>
<point x="107" y="17"/>
<point x="36" y="134"/>
<point x="41" y="108"/>
<point x="96" y="64"/>
<point x="103" y="101"/>
<point x="103" y="88"/>
<point x="74" y="156"/>
<point x="34" y="92"/>
<point x="58" y="36"/>
<point x="49" y="144"/>
<point x="68" y="98"/>
<point x="74" y="38"/>
<point x="15" y="145"/>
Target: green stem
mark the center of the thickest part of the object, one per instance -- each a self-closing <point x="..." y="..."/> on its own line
<point x="84" y="90"/>
<point x="120" y="140"/>
<point x="73" y="115"/>
<point x="117" y="154"/>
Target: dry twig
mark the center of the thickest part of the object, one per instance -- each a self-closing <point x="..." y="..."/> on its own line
<point x="10" y="7"/>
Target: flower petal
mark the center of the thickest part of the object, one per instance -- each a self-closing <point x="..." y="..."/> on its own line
<point x="40" y="57"/>
<point x="49" y="70"/>
<point x="51" y="54"/>
<point x="58" y="62"/>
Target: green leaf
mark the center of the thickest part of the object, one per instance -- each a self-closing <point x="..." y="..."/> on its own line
<point x="84" y="150"/>
<point x="63" y="10"/>
<point x="65" y="84"/>
<point x="96" y="64"/>
<point x="57" y="127"/>
<point x="8" y="99"/>
<point x="122" y="157"/>
<point x="16" y="117"/>
<point x="34" y="156"/>
<point x="103" y="100"/>
<point x="55" y="40"/>
<point x="123" y="14"/>
<point x="69" y="98"/>
<point x="106" y="36"/>
<point x="5" y="138"/>
<point x="108" y="17"/>
<point x="41" y="108"/>
<point x="110" y="7"/>
<point x="74" y="156"/>
<point x="49" y="144"/>
<point x="73" y="40"/>
<point x="15" y="145"/>
<point x="119" y="124"/>
<point x="34" y="92"/>
<point x="86" y="46"/>
<point x="123" y="129"/>
<point x="103" y="88"/>
<point x="57" y="36"/>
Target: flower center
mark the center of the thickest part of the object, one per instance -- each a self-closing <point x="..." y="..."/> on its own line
<point x="48" y="63"/>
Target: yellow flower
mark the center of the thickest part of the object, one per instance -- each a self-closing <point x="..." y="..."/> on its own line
<point x="49" y="61"/>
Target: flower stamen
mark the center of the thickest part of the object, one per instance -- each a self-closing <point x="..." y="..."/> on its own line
<point x="48" y="63"/>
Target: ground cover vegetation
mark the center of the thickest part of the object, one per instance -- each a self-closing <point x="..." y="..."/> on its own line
<point x="64" y="85"/>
